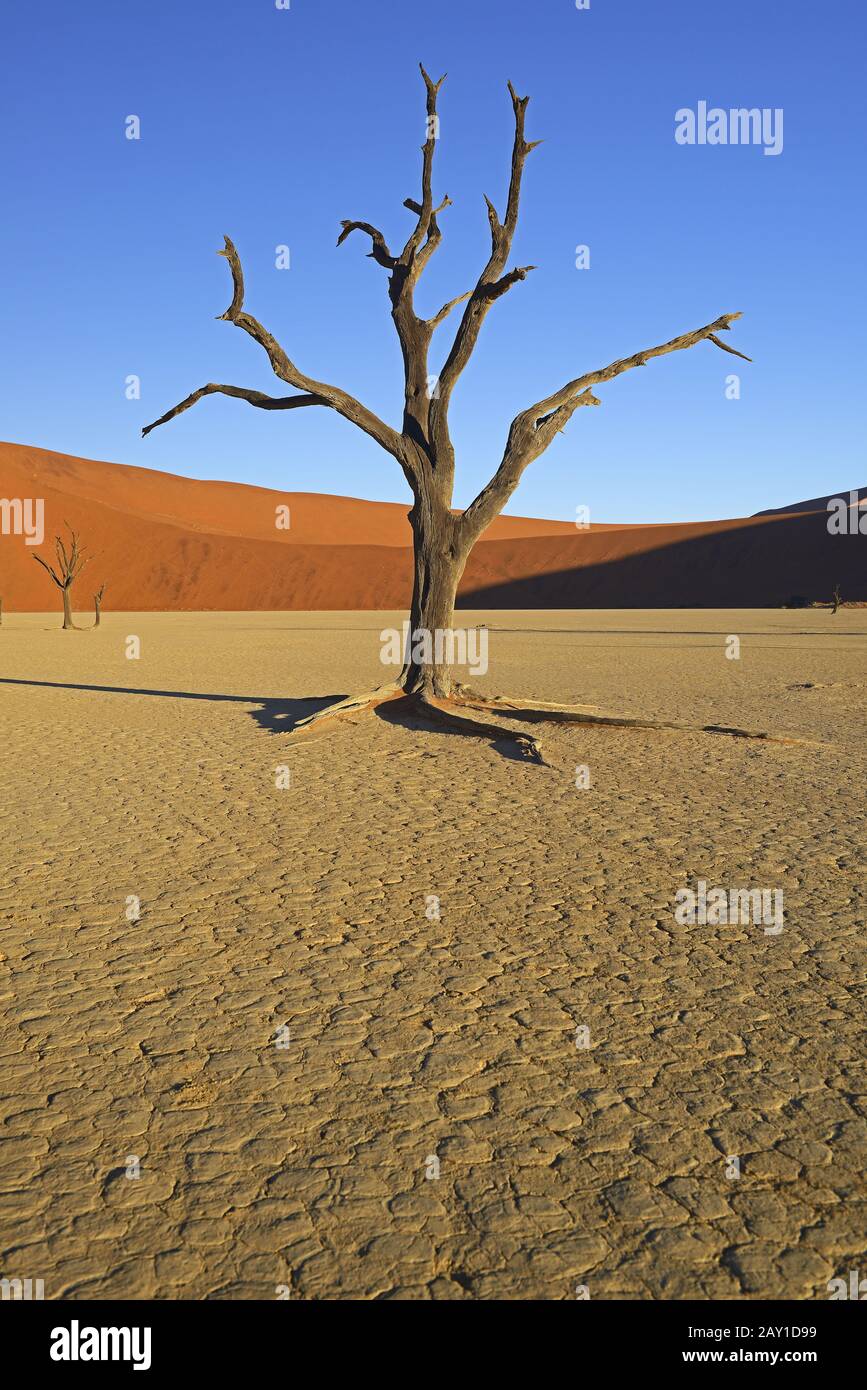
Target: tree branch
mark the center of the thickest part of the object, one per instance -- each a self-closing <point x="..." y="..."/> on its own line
<point x="69" y="564"/>
<point x="62" y="557"/>
<point x="45" y="565"/>
<point x="76" y="561"/>
<point x="380" y="252"/>
<point x="414" y="333"/>
<point x="282" y="366"/>
<point x="446" y="310"/>
<point x="534" y="429"/>
<point x="426" y="224"/>
<point x="434" y="237"/>
<point x="625" y="364"/>
<point x="257" y="398"/>
<point x="712" y="338"/>
<point x="491" y="283"/>
<point x="519" y="452"/>
<point x="499" y="287"/>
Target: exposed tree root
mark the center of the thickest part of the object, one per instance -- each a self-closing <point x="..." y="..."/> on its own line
<point x="353" y="704"/>
<point x="457" y="714"/>
<point x="450" y="714"/>
<point x="420" y="706"/>
<point x="546" y="712"/>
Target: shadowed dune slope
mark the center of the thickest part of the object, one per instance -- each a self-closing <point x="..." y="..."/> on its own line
<point x="163" y="542"/>
<point x="855" y="497"/>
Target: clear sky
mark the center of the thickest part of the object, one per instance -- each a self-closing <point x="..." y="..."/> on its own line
<point x="272" y="125"/>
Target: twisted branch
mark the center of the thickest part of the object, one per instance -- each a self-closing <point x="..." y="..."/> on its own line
<point x="316" y="392"/>
<point x="380" y="252"/>
<point x="257" y="398"/>
<point x="532" y="430"/>
<point x="638" y="359"/>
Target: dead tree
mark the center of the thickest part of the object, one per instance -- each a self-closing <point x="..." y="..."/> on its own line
<point x="442" y="538"/>
<point x="97" y="604"/>
<point x="70" y="563"/>
<point x="836" y="600"/>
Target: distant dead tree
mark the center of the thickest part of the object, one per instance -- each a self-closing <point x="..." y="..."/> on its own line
<point x="97" y="604"/>
<point x="442" y="538"/>
<point x="70" y="563"/>
<point x="836" y="600"/>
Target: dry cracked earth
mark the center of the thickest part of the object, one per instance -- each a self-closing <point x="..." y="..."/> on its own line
<point x="288" y="1043"/>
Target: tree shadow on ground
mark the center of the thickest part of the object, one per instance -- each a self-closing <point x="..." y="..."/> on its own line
<point x="405" y="713"/>
<point x="282" y="716"/>
<point x="277" y="716"/>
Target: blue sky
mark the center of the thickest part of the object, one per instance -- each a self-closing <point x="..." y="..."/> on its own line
<point x="273" y="125"/>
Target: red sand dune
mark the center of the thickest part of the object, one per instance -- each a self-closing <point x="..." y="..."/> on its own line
<point x="164" y="542"/>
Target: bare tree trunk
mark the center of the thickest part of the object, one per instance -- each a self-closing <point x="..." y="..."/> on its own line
<point x="439" y="560"/>
<point x="67" y="609"/>
<point x="96" y="610"/>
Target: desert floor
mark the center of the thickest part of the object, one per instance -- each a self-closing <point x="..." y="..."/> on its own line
<point x="287" y="1038"/>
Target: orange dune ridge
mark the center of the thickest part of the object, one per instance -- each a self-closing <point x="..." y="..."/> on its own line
<point x="164" y="542"/>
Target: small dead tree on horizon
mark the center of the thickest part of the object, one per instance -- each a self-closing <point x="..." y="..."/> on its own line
<point x="442" y="538"/>
<point x="97" y="604"/>
<point x="70" y="563"/>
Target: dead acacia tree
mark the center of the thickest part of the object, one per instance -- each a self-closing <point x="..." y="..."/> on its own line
<point x="442" y="538"/>
<point x="97" y="604"/>
<point x="70" y="563"/>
